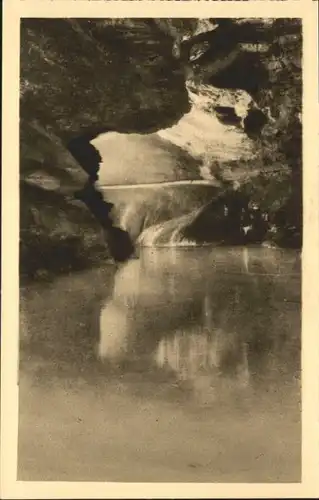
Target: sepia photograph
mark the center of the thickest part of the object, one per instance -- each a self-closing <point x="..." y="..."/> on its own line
<point x="160" y="250"/>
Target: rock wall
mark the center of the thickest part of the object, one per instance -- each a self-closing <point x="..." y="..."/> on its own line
<point x="81" y="78"/>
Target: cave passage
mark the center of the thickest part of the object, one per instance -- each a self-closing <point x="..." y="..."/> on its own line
<point x="118" y="240"/>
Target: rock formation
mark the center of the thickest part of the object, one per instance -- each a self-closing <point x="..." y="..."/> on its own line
<point x="81" y="78"/>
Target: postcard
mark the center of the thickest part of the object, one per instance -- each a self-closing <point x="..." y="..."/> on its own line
<point x="160" y="249"/>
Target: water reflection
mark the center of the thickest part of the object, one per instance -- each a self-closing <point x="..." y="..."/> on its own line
<point x="209" y="316"/>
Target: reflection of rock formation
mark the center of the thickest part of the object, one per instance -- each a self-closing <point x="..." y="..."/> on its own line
<point x="193" y="353"/>
<point x="181" y="311"/>
<point x="116" y="332"/>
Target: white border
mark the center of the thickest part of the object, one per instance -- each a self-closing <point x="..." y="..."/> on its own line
<point x="13" y="10"/>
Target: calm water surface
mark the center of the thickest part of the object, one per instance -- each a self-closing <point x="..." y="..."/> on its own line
<point x="182" y="365"/>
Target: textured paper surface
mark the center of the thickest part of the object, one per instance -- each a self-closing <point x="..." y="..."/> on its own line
<point x="13" y="10"/>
